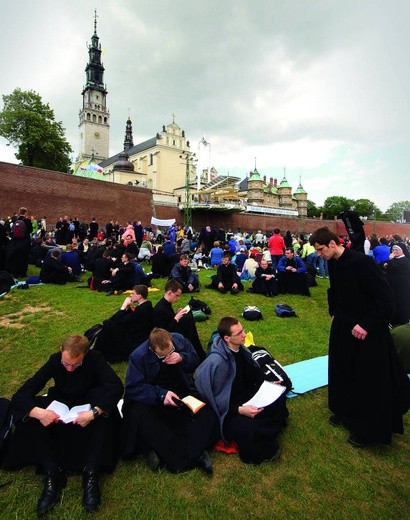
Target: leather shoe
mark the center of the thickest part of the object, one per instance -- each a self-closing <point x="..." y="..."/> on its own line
<point x="54" y="482"/>
<point x="92" y="493"/>
<point x="152" y="460"/>
<point x="356" y="441"/>
<point x="335" y="421"/>
<point x="204" y="462"/>
<point x="276" y="455"/>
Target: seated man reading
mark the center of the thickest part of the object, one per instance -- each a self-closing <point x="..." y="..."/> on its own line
<point x="226" y="380"/>
<point x="87" y="444"/>
<point x="160" y="372"/>
<point x="128" y="328"/>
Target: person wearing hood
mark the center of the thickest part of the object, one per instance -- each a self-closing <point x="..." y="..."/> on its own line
<point x="228" y="378"/>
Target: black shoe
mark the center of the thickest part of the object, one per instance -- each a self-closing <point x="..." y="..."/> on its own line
<point x="54" y="482"/>
<point x="204" y="462"/>
<point x="222" y="290"/>
<point x="335" y="421"/>
<point x="109" y="293"/>
<point x="92" y="493"/>
<point x="152" y="460"/>
<point x="276" y="455"/>
<point x="234" y="291"/>
<point x="356" y="442"/>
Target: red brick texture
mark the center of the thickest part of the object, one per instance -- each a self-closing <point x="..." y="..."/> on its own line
<point x="55" y="194"/>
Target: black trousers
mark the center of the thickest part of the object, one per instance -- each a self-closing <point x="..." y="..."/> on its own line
<point x="176" y="436"/>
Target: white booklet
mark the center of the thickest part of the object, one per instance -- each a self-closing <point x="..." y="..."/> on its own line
<point x="186" y="309"/>
<point x="66" y="414"/>
<point x="266" y="395"/>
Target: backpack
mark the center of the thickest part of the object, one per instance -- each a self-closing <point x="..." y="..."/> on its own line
<point x="199" y="315"/>
<point x="252" y="313"/>
<point x="6" y="424"/>
<point x="19" y="229"/>
<point x="272" y="369"/>
<point x="285" y="311"/>
<point x="198" y="305"/>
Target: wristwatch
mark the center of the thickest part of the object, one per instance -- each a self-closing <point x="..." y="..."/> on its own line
<point x="95" y="412"/>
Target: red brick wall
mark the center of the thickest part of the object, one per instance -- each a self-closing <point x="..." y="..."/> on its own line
<point x="54" y="194"/>
<point x="44" y="192"/>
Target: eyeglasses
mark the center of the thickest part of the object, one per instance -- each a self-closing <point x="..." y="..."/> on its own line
<point x="164" y="355"/>
<point x="177" y="294"/>
<point x="72" y="365"/>
<point x="243" y="331"/>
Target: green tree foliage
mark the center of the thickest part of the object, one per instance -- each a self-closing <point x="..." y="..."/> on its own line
<point x="312" y="209"/>
<point x="395" y="211"/>
<point x="333" y="205"/>
<point x="29" y="124"/>
<point x="366" y="208"/>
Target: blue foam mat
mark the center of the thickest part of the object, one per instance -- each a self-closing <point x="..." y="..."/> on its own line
<point x="308" y="375"/>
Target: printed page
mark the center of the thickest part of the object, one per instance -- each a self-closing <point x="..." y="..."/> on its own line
<point x="266" y="395"/>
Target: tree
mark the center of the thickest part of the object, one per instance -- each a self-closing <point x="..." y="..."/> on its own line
<point x="312" y="209"/>
<point x="29" y="124"/>
<point x="366" y="208"/>
<point x="395" y="211"/>
<point x="334" y="205"/>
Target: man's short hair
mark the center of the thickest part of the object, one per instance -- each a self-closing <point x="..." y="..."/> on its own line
<point x="75" y="345"/>
<point x="173" y="286"/>
<point x="289" y="249"/>
<point x="107" y="253"/>
<point x="69" y="247"/>
<point x="383" y="240"/>
<point x="225" y="326"/>
<point x="55" y="253"/>
<point x="184" y="257"/>
<point x="276" y="231"/>
<point x="159" y="339"/>
<point x="142" y="290"/>
<point x="323" y="236"/>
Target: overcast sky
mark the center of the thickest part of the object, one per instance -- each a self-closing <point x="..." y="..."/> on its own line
<point x="320" y="87"/>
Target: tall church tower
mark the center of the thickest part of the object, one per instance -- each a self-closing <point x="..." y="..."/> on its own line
<point x="94" y="117"/>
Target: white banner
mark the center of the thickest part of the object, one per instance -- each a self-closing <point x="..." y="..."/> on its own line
<point x="162" y="222"/>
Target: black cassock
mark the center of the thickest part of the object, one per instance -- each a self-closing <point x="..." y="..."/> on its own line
<point x="69" y="445"/>
<point x="368" y="390"/>
<point x="124" y="331"/>
<point x="398" y="275"/>
<point x="163" y="317"/>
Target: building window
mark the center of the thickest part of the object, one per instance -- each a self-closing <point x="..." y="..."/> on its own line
<point x="99" y="119"/>
<point x="94" y="118"/>
<point x="151" y="159"/>
<point x="105" y="120"/>
<point x="88" y="117"/>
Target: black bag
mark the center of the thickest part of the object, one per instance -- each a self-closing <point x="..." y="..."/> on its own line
<point x="6" y="424"/>
<point x="6" y="282"/>
<point x="92" y="333"/>
<point x="272" y="369"/>
<point x="252" y="313"/>
<point x="285" y="311"/>
<point x="198" y="305"/>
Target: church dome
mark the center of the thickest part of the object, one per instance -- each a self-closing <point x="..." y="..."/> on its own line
<point x="123" y="164"/>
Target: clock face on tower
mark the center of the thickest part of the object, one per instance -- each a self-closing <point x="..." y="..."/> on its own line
<point x="97" y="135"/>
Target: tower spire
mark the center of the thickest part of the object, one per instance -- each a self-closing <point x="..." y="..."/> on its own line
<point x="128" y="141"/>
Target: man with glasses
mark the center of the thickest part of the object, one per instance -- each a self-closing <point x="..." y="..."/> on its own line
<point x="226" y="380"/>
<point x="88" y="443"/>
<point x="182" y="321"/>
<point x="159" y="374"/>
<point x="368" y="391"/>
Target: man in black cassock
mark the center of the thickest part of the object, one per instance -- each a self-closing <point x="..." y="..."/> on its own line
<point x="182" y="321"/>
<point x="368" y="390"/>
<point x="88" y="443"/>
<point x="226" y="277"/>
<point x="128" y="328"/>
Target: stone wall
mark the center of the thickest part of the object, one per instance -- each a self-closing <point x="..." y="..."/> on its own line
<point x="54" y="194"/>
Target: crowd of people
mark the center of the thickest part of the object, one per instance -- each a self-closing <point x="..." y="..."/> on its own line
<point x="167" y="364"/>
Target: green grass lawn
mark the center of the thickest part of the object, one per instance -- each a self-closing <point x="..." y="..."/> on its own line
<point x="318" y="475"/>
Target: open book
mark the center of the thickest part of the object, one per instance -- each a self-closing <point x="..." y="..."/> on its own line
<point x="266" y="395"/>
<point x="191" y="402"/>
<point x="186" y="309"/>
<point x="66" y="414"/>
